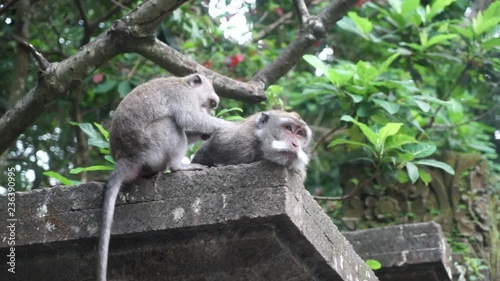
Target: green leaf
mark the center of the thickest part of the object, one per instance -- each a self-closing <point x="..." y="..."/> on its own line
<point x="466" y="32"/>
<point x="95" y="137"/>
<point x="363" y="24"/>
<point x="404" y="51"/>
<point x="60" y="178"/>
<point x="388" y="62"/>
<point x="425" y="176"/>
<point x="228" y="110"/>
<point x="409" y="6"/>
<point x="432" y="99"/>
<point x="489" y="44"/>
<point x="388" y="106"/>
<point x="105" y="87"/>
<point x="396" y="5"/>
<point x="437" y="7"/>
<point x="189" y="45"/>
<point x="366" y="71"/>
<point x="233" y="118"/>
<point x="355" y="98"/>
<point x="423" y="38"/>
<point x="404" y="157"/>
<point x="481" y="25"/>
<point x="421" y="149"/>
<point x="493" y="10"/>
<point x="91" y="168"/>
<point x="102" y="130"/>
<point x="422" y="13"/>
<point x="318" y="64"/>
<point x="89" y="130"/>
<point x="398" y="140"/>
<point x="455" y="111"/>
<point x="402" y="176"/>
<point x="369" y="133"/>
<point x="344" y="141"/>
<point x="349" y="25"/>
<point x="359" y="90"/>
<point x="417" y="47"/>
<point x="437" y="164"/>
<point x="439" y="39"/>
<point x="486" y="147"/>
<point x="362" y="111"/>
<point x="425" y="107"/>
<point x="374" y="264"/>
<point x="99" y="143"/>
<point x="390" y="129"/>
<point x="412" y="171"/>
<point x="446" y="56"/>
<point x="109" y="159"/>
<point x="124" y="88"/>
<point x="339" y="77"/>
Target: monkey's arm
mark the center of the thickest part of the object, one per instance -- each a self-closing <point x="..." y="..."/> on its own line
<point x="193" y="137"/>
<point x="228" y="146"/>
<point x="199" y="123"/>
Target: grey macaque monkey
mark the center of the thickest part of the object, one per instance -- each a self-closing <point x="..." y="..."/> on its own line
<point x="148" y="136"/>
<point x="277" y="136"/>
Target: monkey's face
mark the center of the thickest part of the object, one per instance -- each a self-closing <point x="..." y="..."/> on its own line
<point x="284" y="138"/>
<point x="207" y="98"/>
<point x="209" y="102"/>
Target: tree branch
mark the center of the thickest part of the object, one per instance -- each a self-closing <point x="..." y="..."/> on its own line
<point x="43" y="63"/>
<point x="180" y="65"/>
<point x="17" y="87"/>
<point x="7" y="6"/>
<point x="450" y="91"/>
<point x="18" y="84"/>
<point x="135" y="32"/>
<point x="60" y="77"/>
<point x="353" y="192"/>
<point x="314" y="29"/>
<point x="476" y="118"/>
<point x="269" y="28"/>
<point x="325" y="136"/>
<point x="94" y="23"/>
<point x="302" y="10"/>
<point x="266" y="30"/>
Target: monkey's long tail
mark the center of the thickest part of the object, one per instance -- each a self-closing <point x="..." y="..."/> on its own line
<point x="108" y="208"/>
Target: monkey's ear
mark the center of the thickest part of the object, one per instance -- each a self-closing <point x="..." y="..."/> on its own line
<point x="195" y="80"/>
<point x="296" y="115"/>
<point x="263" y="118"/>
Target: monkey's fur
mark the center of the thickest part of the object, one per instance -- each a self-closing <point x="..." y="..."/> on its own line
<point x="148" y="136"/>
<point x="277" y="136"/>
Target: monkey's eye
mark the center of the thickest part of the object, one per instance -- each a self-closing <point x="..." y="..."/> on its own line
<point x="289" y="128"/>
<point x="301" y="132"/>
<point x="212" y="103"/>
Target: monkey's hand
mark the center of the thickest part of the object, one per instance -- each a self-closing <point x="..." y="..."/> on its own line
<point x="189" y="167"/>
<point x="194" y="137"/>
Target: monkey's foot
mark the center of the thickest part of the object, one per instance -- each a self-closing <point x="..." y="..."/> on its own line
<point x="189" y="167"/>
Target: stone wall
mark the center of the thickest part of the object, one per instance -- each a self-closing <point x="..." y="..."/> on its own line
<point x="247" y="222"/>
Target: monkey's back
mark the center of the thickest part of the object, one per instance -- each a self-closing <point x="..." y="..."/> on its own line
<point x="143" y="106"/>
<point x="231" y="145"/>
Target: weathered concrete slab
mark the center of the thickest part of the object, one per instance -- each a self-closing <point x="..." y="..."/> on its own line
<point x="247" y="222"/>
<point x="410" y="252"/>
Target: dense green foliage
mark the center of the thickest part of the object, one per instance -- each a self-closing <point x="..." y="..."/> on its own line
<point x="425" y="68"/>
